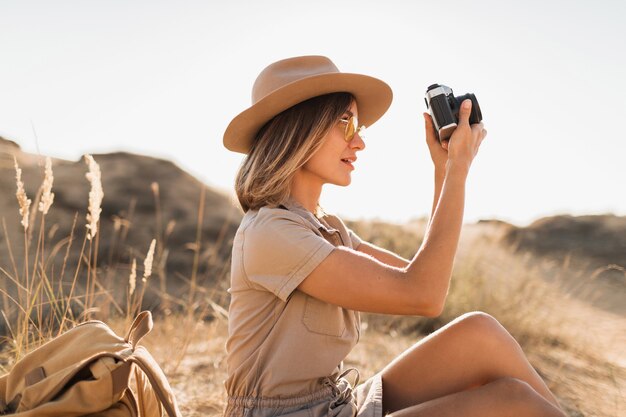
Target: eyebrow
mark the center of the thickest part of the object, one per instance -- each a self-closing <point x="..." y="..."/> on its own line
<point x="349" y="113"/>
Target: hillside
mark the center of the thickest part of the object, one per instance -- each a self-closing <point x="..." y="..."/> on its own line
<point x="144" y="198"/>
<point x="601" y="239"/>
<point x="590" y="249"/>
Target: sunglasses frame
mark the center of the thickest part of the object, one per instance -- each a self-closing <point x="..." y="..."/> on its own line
<point x="352" y="128"/>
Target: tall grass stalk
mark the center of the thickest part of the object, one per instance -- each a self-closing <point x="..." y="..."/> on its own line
<point x="159" y="239"/>
<point x="191" y="302"/>
<point x="40" y="308"/>
<point x="41" y="303"/>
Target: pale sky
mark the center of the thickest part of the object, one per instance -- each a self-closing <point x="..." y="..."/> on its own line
<point x="164" y="78"/>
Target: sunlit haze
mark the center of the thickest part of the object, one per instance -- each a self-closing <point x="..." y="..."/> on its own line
<point x="165" y="78"/>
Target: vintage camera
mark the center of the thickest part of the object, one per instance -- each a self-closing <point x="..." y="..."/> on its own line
<point x="444" y="108"/>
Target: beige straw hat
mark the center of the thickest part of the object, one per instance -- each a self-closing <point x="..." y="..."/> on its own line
<point x="288" y="82"/>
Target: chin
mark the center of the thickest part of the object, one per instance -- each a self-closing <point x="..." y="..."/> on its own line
<point x="344" y="182"/>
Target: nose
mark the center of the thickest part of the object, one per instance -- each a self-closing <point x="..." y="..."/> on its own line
<point x="357" y="142"/>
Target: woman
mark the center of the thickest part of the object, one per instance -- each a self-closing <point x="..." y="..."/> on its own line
<point x="300" y="277"/>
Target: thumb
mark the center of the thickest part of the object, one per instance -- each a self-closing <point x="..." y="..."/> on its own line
<point x="466" y="111"/>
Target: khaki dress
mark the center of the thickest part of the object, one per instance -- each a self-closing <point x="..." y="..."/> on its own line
<point x="285" y="349"/>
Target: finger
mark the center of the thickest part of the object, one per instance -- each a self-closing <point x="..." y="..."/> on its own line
<point x="444" y="144"/>
<point x="477" y="130"/>
<point x="465" y="112"/>
<point x="431" y="134"/>
<point x="481" y="138"/>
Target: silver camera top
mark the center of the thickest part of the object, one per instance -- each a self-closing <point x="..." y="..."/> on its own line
<point x="442" y="89"/>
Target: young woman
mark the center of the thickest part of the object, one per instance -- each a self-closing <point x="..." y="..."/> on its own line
<point x="300" y="277"/>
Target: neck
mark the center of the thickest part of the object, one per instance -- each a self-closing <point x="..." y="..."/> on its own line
<point x="306" y="192"/>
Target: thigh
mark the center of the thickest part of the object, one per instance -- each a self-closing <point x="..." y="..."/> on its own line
<point x="468" y="352"/>
<point x="499" y="398"/>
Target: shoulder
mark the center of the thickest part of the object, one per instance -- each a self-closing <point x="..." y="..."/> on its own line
<point x="274" y="223"/>
<point x="274" y="217"/>
<point x="278" y="242"/>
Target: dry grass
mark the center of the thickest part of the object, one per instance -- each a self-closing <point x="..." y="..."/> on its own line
<point x="578" y="359"/>
<point x="575" y="347"/>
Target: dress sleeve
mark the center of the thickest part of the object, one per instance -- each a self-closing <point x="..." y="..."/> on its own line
<point x="279" y="252"/>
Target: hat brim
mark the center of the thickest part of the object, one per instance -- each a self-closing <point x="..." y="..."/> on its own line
<point x="373" y="98"/>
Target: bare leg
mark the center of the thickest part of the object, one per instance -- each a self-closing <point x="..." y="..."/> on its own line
<point x="471" y="351"/>
<point x="500" y="398"/>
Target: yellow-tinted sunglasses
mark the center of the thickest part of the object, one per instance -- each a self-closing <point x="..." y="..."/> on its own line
<point x="352" y="127"/>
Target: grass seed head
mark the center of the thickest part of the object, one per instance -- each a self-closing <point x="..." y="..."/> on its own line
<point x="147" y="263"/>
<point x="47" y="196"/>
<point x="95" y="196"/>
<point x="132" y="280"/>
<point x="22" y="199"/>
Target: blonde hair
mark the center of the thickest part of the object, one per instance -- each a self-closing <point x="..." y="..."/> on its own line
<point x="282" y="146"/>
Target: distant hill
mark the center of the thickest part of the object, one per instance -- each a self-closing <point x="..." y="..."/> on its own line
<point x="130" y="216"/>
<point x="598" y="239"/>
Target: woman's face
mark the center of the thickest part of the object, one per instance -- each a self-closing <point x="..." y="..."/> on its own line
<point x="333" y="163"/>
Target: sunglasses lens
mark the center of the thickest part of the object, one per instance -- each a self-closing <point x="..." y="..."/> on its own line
<point x="351" y="128"/>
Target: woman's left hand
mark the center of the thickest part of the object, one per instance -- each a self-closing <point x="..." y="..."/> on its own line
<point x="438" y="151"/>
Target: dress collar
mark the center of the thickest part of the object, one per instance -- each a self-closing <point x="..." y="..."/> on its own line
<point x="293" y="205"/>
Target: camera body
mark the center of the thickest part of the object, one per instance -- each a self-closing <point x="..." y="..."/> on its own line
<point x="444" y="109"/>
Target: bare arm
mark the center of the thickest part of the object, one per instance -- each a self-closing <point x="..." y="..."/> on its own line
<point x="387" y="257"/>
<point x="359" y="281"/>
<point x="383" y="255"/>
<point x="435" y="257"/>
<point x="440" y="174"/>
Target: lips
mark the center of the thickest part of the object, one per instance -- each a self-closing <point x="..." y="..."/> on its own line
<point x="349" y="161"/>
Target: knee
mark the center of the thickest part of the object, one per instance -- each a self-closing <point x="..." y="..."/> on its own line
<point x="478" y="320"/>
<point x="519" y="395"/>
<point x="514" y="390"/>
<point x="520" y="398"/>
<point x="483" y="326"/>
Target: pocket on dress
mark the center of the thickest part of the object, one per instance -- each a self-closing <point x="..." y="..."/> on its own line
<point x="323" y="318"/>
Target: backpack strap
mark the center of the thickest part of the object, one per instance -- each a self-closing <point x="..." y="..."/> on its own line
<point x="141" y="326"/>
<point x="144" y="360"/>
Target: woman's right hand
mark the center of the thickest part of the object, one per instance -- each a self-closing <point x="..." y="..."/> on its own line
<point x="465" y="140"/>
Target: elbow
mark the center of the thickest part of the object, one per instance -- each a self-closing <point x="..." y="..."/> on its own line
<point x="426" y="308"/>
<point x="435" y="304"/>
<point x="434" y="311"/>
<point x="430" y="305"/>
<point x="424" y="297"/>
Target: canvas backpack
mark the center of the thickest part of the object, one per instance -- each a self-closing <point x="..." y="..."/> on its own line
<point x="89" y="371"/>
